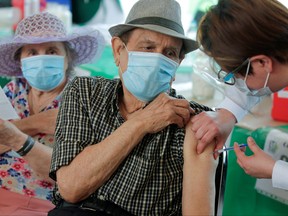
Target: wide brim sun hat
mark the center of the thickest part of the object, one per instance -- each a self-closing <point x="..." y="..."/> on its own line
<point x="86" y="43"/>
<point x="163" y="16"/>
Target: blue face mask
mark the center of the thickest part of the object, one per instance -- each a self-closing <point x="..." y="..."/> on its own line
<point x="148" y="74"/>
<point x="43" y="72"/>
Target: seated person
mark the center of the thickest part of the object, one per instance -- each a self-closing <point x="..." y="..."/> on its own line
<point x="119" y="143"/>
<point x="41" y="57"/>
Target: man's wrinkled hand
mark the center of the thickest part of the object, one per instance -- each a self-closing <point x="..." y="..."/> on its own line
<point x="163" y="111"/>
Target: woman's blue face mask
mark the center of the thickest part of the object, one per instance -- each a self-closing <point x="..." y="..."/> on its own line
<point x="148" y="74"/>
<point x="43" y="72"/>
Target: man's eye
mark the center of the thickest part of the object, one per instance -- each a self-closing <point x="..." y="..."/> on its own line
<point x="171" y="54"/>
<point x="148" y="48"/>
<point x="52" y="52"/>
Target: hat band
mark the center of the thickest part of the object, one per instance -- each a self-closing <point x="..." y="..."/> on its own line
<point x="159" y="21"/>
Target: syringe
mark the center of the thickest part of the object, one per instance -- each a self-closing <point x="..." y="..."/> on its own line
<point x="229" y="148"/>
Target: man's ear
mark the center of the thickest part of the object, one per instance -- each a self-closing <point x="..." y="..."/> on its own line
<point x="262" y="62"/>
<point x="117" y="46"/>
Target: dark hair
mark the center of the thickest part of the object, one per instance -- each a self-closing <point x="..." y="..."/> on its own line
<point x="234" y="30"/>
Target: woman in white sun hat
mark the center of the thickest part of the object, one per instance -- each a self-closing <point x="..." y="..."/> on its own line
<point x="41" y="56"/>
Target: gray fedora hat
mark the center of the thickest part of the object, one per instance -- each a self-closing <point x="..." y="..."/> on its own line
<point x="163" y="16"/>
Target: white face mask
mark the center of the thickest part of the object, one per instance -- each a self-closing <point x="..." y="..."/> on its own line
<point x="242" y="86"/>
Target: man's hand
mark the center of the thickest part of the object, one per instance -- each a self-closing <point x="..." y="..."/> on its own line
<point x="209" y="126"/>
<point x="164" y="111"/>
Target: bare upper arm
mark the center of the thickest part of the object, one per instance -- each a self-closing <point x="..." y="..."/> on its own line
<point x="198" y="177"/>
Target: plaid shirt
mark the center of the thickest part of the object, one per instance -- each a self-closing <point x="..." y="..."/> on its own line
<point x="149" y="180"/>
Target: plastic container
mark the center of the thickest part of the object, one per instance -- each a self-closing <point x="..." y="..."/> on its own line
<point x="280" y="105"/>
<point x="28" y="7"/>
<point x="9" y="16"/>
<point x="31" y="7"/>
<point x="62" y="12"/>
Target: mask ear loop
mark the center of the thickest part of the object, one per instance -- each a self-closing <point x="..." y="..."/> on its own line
<point x="247" y="70"/>
<point x="267" y="78"/>
<point x="119" y="60"/>
<point x="120" y="68"/>
<point x="125" y="47"/>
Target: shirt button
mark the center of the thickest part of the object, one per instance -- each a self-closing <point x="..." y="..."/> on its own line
<point x="101" y="197"/>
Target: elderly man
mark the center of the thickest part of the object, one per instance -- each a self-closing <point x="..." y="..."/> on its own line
<point x="121" y="144"/>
